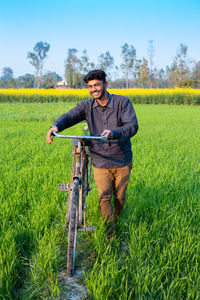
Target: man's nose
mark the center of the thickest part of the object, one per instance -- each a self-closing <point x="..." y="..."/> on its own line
<point x="94" y="89"/>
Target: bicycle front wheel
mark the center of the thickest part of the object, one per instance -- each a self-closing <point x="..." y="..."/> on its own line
<point x="72" y="232"/>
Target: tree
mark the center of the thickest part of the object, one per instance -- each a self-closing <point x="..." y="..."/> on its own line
<point x="162" y="81"/>
<point x="7" y="73"/>
<point x="142" y="73"/>
<point x="26" y="81"/>
<point x="196" y="71"/>
<point x="179" y="69"/>
<point x="118" y="84"/>
<point x="72" y="68"/>
<point x="12" y="83"/>
<point x="85" y="64"/>
<point x="182" y="62"/>
<point x="7" y="79"/>
<point x="50" y="79"/>
<point x="129" y="56"/>
<point x="37" y="58"/>
<point x="105" y="62"/>
<point x="151" y="51"/>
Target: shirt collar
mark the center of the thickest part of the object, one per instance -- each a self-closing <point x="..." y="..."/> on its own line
<point x="109" y="104"/>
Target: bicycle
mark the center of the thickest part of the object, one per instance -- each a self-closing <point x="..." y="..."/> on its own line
<point x="78" y="189"/>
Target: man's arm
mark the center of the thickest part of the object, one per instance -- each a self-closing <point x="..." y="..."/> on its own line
<point x="129" y="123"/>
<point x="74" y="116"/>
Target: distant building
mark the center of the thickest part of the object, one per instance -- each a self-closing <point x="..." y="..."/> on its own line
<point x="62" y="85"/>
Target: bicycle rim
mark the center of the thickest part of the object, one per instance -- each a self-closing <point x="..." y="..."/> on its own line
<point x="72" y="232"/>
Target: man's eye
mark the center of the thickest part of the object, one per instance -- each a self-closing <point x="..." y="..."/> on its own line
<point x="94" y="86"/>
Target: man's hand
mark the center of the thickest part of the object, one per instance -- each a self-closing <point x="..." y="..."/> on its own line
<point x="108" y="133"/>
<point x="48" y="138"/>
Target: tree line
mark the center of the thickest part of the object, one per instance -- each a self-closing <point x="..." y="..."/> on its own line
<point x="136" y="72"/>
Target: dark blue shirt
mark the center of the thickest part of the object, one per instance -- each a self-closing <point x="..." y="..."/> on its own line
<point x="118" y="116"/>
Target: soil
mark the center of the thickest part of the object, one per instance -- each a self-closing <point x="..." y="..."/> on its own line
<point x="72" y="288"/>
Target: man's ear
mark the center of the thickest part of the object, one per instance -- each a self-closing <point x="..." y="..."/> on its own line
<point x="106" y="83"/>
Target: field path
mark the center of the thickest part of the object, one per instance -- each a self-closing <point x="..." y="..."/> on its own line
<point x="72" y="288"/>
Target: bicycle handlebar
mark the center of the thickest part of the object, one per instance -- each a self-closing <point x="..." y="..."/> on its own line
<point x="55" y="134"/>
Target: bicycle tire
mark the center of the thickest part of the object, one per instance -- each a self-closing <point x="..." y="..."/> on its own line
<point x="72" y="232"/>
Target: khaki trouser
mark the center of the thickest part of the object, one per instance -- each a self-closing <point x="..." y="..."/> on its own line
<point x="112" y="182"/>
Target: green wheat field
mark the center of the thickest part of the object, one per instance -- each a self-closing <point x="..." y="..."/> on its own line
<point x="156" y="252"/>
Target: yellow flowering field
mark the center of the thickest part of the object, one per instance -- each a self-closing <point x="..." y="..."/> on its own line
<point x="45" y="92"/>
<point x="84" y="92"/>
<point x="148" y="96"/>
<point x="173" y="91"/>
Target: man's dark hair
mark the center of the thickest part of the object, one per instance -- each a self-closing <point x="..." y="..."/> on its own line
<point x="95" y="74"/>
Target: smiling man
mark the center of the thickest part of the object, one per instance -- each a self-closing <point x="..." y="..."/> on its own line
<point x="114" y="116"/>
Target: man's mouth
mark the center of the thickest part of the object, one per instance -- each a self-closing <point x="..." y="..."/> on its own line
<point x="95" y="93"/>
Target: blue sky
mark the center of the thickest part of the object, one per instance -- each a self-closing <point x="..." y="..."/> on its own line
<point x="97" y="26"/>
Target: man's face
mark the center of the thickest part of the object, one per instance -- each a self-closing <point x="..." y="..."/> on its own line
<point x="97" y="88"/>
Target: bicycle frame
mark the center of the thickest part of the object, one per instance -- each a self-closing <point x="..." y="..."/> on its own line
<point x="81" y="172"/>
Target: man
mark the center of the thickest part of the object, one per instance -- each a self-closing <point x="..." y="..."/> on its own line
<point x="114" y="116"/>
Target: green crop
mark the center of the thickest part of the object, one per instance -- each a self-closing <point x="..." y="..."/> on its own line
<point x="156" y="252"/>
